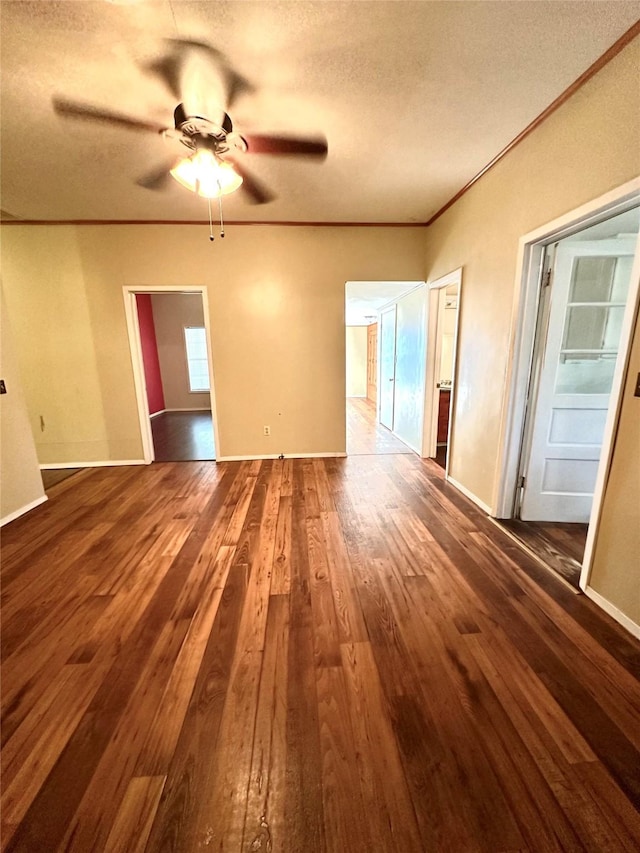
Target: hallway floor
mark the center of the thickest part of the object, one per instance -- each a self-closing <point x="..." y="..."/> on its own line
<point x="365" y="435"/>
<point x="559" y="545"/>
<point x="183" y="437"/>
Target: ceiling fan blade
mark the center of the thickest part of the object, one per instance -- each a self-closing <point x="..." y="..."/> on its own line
<point x="237" y="85"/>
<point x="288" y="146"/>
<point x="171" y="69"/>
<point x="86" y="112"/>
<point x="168" y="68"/>
<point x="256" y="191"/>
<point x="156" y="179"/>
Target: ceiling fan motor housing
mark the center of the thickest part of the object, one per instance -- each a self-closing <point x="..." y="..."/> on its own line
<point x="198" y="132"/>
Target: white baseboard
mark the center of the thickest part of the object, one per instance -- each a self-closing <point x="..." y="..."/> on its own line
<point x="159" y="412"/>
<point x="106" y="463"/>
<point x="476" y="500"/>
<point x="277" y="456"/>
<point x="24" y="509"/>
<point x="613" y="611"/>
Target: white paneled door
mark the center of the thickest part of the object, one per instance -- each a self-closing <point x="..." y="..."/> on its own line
<point x="410" y="368"/>
<point x="587" y="301"/>
<point x="386" y="388"/>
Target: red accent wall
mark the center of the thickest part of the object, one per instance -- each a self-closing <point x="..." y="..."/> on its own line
<point x="153" y="378"/>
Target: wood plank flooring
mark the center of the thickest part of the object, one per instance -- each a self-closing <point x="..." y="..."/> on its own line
<point x="365" y="435"/>
<point x="53" y="476"/>
<point x="559" y="545"/>
<point x="183" y="437"/>
<point x="336" y="655"/>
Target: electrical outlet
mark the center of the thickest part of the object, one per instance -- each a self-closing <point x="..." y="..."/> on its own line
<point x="267" y="430"/>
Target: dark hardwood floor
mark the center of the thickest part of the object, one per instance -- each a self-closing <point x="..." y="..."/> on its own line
<point x="559" y="545"/>
<point x="365" y="435"/>
<point x="441" y="455"/>
<point x="52" y="476"/>
<point x="303" y="655"/>
<point x="183" y="436"/>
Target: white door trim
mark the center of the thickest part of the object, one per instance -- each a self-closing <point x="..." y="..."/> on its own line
<point x="135" y="345"/>
<point x="524" y="313"/>
<point x="430" y="415"/>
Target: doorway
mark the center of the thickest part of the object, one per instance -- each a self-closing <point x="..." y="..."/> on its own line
<point x="171" y="355"/>
<point x="381" y="366"/>
<point x="444" y="315"/>
<point x="580" y="333"/>
<point x="445" y="362"/>
<point x="584" y="294"/>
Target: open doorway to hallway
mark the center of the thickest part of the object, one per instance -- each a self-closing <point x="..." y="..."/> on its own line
<point x="582" y="298"/>
<point x="444" y="297"/>
<point x="170" y="347"/>
<point x="384" y="366"/>
<point x="446" y="334"/>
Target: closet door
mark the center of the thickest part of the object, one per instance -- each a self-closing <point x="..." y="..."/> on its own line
<point x="372" y="362"/>
<point x="408" y="409"/>
<point x="387" y="365"/>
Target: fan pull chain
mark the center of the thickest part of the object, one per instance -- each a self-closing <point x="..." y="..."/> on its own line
<point x="220" y="206"/>
<point x="211" y="237"/>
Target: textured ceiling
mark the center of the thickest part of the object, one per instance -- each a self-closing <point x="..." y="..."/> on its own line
<point x="413" y="97"/>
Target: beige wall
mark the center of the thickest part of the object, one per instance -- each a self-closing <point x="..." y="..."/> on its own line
<point x="276" y="300"/>
<point x="53" y="326"/>
<point x="587" y="147"/>
<point x="171" y="313"/>
<point x="616" y="567"/>
<point x="356" y="358"/>
<point x="21" y="486"/>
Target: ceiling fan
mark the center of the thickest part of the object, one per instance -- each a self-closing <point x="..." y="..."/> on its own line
<point x="213" y="167"/>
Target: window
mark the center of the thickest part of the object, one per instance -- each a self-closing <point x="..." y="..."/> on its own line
<point x="197" y="364"/>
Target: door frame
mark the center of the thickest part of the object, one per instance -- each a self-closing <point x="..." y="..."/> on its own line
<point x="430" y="415"/>
<point x="521" y="351"/>
<point x="135" y="346"/>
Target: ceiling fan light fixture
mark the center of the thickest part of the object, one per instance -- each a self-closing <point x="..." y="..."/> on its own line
<point x="204" y="174"/>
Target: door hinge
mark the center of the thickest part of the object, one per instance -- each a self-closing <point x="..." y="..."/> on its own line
<point x="546" y="280"/>
<point x="521" y="482"/>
